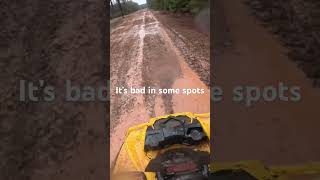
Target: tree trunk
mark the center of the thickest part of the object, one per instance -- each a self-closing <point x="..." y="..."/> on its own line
<point x="120" y="8"/>
<point x="111" y="4"/>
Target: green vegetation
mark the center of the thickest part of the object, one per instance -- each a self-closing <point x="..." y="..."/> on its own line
<point x="119" y="8"/>
<point x="192" y="6"/>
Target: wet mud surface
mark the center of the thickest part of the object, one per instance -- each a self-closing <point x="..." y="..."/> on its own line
<point x="296" y="24"/>
<point x="247" y="54"/>
<point x="52" y="41"/>
<point x="144" y="55"/>
<point x="191" y="35"/>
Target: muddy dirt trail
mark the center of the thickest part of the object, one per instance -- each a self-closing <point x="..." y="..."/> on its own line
<point x="274" y="132"/>
<point x="143" y="55"/>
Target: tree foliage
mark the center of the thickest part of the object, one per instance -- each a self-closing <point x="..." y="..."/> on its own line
<point x="126" y="7"/>
<point x="193" y="6"/>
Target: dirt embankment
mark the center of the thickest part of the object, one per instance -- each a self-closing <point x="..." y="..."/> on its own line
<point x="297" y="24"/>
<point x="52" y="41"/>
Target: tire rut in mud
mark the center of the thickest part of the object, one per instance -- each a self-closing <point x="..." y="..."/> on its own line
<point x="160" y="65"/>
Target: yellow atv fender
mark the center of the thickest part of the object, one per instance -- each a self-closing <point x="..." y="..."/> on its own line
<point x="132" y="157"/>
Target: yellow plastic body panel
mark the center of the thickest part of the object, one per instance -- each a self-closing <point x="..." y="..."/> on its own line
<point x="133" y="158"/>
